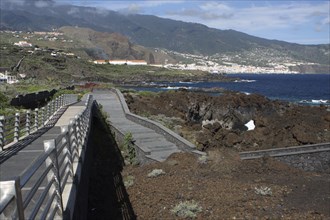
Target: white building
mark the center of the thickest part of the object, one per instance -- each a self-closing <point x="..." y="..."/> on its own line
<point x="128" y="62"/>
<point x="23" y="44"/>
<point x="118" y="62"/>
<point x="5" y="78"/>
<point x="136" y="62"/>
<point x="100" y="62"/>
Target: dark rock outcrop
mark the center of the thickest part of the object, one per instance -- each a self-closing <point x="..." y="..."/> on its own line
<point x="220" y="121"/>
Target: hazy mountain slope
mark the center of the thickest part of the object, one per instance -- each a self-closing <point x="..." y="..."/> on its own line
<point x="102" y="45"/>
<point x="155" y="32"/>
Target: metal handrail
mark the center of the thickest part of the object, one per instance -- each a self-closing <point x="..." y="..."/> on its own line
<point x="58" y="159"/>
<point x="15" y="127"/>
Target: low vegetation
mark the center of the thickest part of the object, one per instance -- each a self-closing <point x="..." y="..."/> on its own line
<point x="128" y="149"/>
<point x="156" y="172"/>
<point x="187" y="209"/>
<point x="42" y="68"/>
<point x="129" y="181"/>
<point x="263" y="190"/>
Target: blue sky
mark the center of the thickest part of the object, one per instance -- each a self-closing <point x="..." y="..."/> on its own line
<point x="304" y="22"/>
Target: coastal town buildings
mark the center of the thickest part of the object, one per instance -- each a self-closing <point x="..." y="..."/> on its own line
<point x="23" y="44"/>
<point x="100" y="62"/>
<point x="121" y="62"/>
<point x="6" y="78"/>
<point x="118" y="62"/>
<point x="255" y="61"/>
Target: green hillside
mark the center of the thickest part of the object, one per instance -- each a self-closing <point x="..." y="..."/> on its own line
<point x="155" y="32"/>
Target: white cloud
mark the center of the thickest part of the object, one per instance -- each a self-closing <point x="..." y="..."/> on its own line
<point x="224" y="16"/>
<point x="309" y="40"/>
<point x="216" y="6"/>
<point x="73" y="11"/>
<point x="326" y="21"/>
<point x="131" y="9"/>
<point x="128" y="7"/>
<point x="41" y="4"/>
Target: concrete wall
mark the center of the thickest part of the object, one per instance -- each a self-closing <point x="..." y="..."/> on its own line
<point x="81" y="192"/>
<point x="314" y="157"/>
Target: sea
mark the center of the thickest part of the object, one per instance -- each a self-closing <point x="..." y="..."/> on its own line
<point x="311" y="89"/>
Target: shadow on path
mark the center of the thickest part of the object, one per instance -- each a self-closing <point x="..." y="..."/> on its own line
<point x="107" y="196"/>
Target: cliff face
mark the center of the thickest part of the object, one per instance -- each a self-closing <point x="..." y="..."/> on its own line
<point x="220" y="121"/>
<point x="102" y="45"/>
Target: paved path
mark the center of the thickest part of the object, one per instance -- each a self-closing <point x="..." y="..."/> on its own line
<point x="154" y="144"/>
<point x="24" y="154"/>
<point x="16" y="159"/>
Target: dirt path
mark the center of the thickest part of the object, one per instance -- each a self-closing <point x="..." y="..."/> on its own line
<point x="225" y="188"/>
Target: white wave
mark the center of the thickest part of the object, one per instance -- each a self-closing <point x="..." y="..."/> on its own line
<point x="320" y="101"/>
<point x="245" y="80"/>
<point x="182" y="82"/>
<point x="177" y="87"/>
<point x="315" y="101"/>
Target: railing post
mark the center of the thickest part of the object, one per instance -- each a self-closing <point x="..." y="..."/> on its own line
<point x="60" y="101"/>
<point x="78" y="130"/>
<point x="65" y="133"/>
<point x="47" y="111"/>
<point x="16" y="127"/>
<point x="43" y="116"/>
<point x="53" y="107"/>
<point x="36" y="118"/>
<point x="52" y="160"/>
<point x="12" y="189"/>
<point x="2" y="132"/>
<point x="57" y="104"/>
<point x="28" y="122"/>
<point x="73" y="138"/>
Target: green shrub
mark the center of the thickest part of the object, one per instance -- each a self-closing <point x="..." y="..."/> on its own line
<point x="156" y="172"/>
<point x="187" y="209"/>
<point x="129" y="181"/>
<point x="263" y="190"/>
<point x="129" y="148"/>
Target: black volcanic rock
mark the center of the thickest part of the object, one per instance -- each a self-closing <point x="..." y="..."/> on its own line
<point x="277" y="124"/>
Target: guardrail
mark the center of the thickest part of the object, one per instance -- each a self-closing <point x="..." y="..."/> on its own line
<point x="45" y="189"/>
<point x="15" y="127"/>
<point x="279" y="152"/>
<point x="170" y="135"/>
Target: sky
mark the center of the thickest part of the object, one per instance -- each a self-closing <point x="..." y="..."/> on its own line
<point x="303" y="22"/>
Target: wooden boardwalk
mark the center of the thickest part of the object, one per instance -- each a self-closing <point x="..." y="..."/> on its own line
<point x="154" y="144"/>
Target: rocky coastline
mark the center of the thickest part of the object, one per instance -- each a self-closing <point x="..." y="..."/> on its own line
<point x="221" y="121"/>
<point x="220" y="125"/>
<point x="159" y="81"/>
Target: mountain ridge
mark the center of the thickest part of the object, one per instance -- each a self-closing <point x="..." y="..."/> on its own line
<point x="155" y="32"/>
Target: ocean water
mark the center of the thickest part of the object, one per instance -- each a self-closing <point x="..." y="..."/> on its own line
<point x="301" y="88"/>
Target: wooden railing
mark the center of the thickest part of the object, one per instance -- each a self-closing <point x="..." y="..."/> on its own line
<point x="44" y="190"/>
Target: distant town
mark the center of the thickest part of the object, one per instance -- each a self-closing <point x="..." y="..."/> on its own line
<point x="215" y="64"/>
